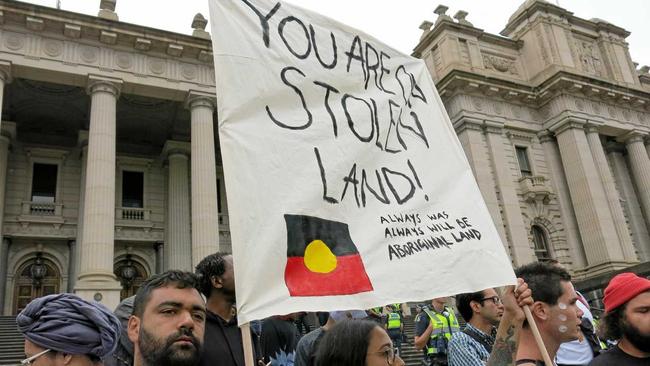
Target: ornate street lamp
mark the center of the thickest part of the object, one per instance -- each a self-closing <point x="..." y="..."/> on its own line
<point x="38" y="271"/>
<point x="127" y="273"/>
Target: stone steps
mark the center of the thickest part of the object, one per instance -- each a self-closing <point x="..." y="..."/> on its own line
<point x="11" y="341"/>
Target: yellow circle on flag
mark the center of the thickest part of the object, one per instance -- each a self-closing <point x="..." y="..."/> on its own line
<point x="319" y="258"/>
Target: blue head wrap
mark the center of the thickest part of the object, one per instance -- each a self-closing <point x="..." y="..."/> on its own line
<point x="69" y="324"/>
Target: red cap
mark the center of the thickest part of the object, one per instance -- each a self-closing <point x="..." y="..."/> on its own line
<point x="623" y="288"/>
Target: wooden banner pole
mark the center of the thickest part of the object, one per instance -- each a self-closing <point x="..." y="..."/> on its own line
<point x="249" y="358"/>
<point x="538" y="336"/>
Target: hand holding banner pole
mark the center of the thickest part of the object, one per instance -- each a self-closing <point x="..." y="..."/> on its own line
<point x="538" y="336"/>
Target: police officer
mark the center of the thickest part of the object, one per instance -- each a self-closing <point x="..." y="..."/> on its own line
<point x="395" y="327"/>
<point x="376" y="314"/>
<point x="433" y="331"/>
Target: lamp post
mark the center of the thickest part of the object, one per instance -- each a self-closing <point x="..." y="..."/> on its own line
<point x="38" y="271"/>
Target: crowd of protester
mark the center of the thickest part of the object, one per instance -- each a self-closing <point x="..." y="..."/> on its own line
<point x="185" y="319"/>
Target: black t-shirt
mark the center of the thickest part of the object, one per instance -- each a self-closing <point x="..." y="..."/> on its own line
<point x="279" y="339"/>
<point x="222" y="343"/>
<point x="616" y="356"/>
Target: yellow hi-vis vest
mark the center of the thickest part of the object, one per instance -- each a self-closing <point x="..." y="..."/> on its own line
<point x="443" y="328"/>
<point x="394" y="321"/>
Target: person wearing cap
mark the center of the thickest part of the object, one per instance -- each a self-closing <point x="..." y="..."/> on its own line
<point x="627" y="319"/>
<point x="64" y="329"/>
<point x="434" y="330"/>
<point x="395" y="326"/>
<point x="123" y="355"/>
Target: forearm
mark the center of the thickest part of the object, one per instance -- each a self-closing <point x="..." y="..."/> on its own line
<point x="504" y="350"/>
<point x="421" y="341"/>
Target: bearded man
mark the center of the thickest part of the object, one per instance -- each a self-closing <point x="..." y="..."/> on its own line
<point x="627" y="319"/>
<point x="168" y="321"/>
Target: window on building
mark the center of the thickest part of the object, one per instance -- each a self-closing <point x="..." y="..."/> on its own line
<point x="541" y="244"/>
<point x="132" y="189"/>
<point x="524" y="163"/>
<point x="44" y="177"/>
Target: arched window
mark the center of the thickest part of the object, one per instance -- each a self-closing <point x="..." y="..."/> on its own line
<point x="541" y="244"/>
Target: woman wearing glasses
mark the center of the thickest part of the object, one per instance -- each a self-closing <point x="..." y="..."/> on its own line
<point x="357" y="343"/>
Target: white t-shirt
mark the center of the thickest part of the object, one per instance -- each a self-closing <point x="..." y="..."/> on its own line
<point x="576" y="352"/>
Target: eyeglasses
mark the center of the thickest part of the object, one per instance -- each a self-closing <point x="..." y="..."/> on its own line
<point x="29" y="360"/>
<point x="389" y="353"/>
<point x="495" y="299"/>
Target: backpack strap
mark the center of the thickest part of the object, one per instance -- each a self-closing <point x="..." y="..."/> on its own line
<point x="477" y="337"/>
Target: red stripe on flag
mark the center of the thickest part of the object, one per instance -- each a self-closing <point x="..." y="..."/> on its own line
<point x="348" y="278"/>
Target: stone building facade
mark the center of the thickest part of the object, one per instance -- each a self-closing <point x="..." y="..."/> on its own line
<point x="106" y="129"/>
<point x="110" y="167"/>
<point x="553" y="116"/>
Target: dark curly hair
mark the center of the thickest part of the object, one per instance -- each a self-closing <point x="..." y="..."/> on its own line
<point x="463" y="302"/>
<point x="345" y="344"/>
<point x="211" y="266"/>
<point x="544" y="280"/>
<point x="611" y="326"/>
<point x="180" y="279"/>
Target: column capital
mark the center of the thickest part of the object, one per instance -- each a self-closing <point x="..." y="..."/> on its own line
<point x="632" y="137"/>
<point x="591" y="128"/>
<point x="200" y="99"/>
<point x="468" y="123"/>
<point x="568" y="123"/>
<point x="8" y="130"/>
<point x="103" y="84"/>
<point x="176" y="147"/>
<point x="82" y="139"/>
<point x="493" y="127"/>
<point x="545" y="136"/>
<point x="5" y="71"/>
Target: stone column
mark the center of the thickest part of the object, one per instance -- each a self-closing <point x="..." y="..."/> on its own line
<point x="5" y="78"/>
<point x="521" y="250"/>
<point x="558" y="180"/>
<point x="588" y="196"/>
<point x="640" y="166"/>
<point x="634" y="215"/>
<point x="613" y="199"/>
<point x="205" y="215"/>
<point x="159" y="249"/>
<point x="4" y="265"/>
<point x="82" y="139"/>
<point x="178" y="248"/>
<point x="72" y="264"/>
<point x="10" y="130"/>
<point x="470" y="134"/>
<point x="96" y="280"/>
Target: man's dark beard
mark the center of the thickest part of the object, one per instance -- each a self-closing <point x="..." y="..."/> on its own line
<point x="634" y="336"/>
<point x="159" y="352"/>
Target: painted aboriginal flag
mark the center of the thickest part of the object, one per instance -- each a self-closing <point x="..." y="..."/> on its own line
<point x="322" y="260"/>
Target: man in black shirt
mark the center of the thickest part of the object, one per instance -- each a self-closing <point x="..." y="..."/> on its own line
<point x="627" y="319"/>
<point x="223" y="339"/>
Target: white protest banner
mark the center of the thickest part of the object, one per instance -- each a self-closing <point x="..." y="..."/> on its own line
<point x="347" y="186"/>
